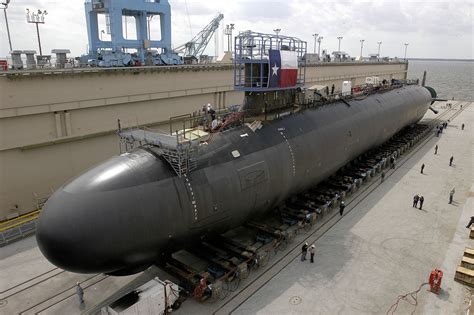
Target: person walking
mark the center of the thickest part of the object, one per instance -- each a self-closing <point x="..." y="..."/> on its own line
<point x="342" y="206"/>
<point x="451" y="161"/>
<point x="332" y="89"/>
<point x="304" y="251"/>
<point x="80" y="293"/>
<point x="470" y="223"/>
<point x="416" y="198"/>
<point x="436" y="149"/>
<point x="382" y="177"/>
<point x="462" y="127"/>
<point x="312" y="250"/>
<point x="451" y="196"/>
<point x="422" y="168"/>
<point x="422" y="199"/>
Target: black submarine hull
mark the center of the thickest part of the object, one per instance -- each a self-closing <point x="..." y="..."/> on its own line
<point x="125" y="214"/>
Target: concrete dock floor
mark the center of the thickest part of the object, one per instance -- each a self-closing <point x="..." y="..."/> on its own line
<point x="381" y="248"/>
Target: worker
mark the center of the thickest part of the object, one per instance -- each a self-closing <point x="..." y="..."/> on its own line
<point x="342" y="206"/>
<point x="436" y="149"/>
<point x="312" y="249"/>
<point x="304" y="251"/>
<point x="422" y="168"/>
<point x="80" y="293"/>
<point x="451" y="161"/>
<point x="451" y="195"/>
<point x="332" y="89"/>
<point x="422" y="199"/>
<point x="211" y="112"/>
<point x="416" y="198"/>
<point x="382" y="177"/>
<point x="462" y="127"/>
<point x="471" y="222"/>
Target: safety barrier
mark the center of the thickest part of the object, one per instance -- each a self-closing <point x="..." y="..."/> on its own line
<point x="18" y="227"/>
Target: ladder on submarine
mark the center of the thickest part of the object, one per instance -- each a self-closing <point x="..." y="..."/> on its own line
<point x="181" y="159"/>
<point x="180" y="155"/>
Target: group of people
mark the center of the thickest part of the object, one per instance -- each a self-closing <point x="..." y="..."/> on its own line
<point x="418" y="200"/>
<point x="304" y="252"/>
<point x="440" y="128"/>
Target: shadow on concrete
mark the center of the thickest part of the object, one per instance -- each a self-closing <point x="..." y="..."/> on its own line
<point x="443" y="294"/>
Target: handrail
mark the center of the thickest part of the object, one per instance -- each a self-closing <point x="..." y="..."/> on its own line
<point x="9" y="224"/>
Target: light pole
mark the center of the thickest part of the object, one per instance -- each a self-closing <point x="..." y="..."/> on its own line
<point x="277" y="32"/>
<point x="5" y="6"/>
<point x="36" y="18"/>
<point x="339" y="38"/>
<point x="378" y="52"/>
<point x="406" y="46"/>
<point x="319" y="45"/>
<point x="361" y="46"/>
<point x="315" y="40"/>
<point x="228" y="31"/>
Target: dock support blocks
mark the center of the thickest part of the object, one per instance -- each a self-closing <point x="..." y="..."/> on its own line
<point x="465" y="272"/>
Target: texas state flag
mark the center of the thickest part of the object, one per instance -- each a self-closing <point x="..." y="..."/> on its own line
<point x="283" y="68"/>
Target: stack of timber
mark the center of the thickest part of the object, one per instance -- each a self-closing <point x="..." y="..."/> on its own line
<point x="465" y="271"/>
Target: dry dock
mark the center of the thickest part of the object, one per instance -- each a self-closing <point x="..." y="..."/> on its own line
<point x="381" y="248"/>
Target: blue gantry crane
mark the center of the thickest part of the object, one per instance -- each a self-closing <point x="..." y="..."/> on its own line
<point x="146" y="50"/>
<point x="110" y="53"/>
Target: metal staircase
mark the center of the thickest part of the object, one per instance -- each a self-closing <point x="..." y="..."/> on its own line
<point x="181" y="159"/>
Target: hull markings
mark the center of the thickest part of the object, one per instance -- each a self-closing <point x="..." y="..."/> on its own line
<point x="291" y="153"/>
<point x="193" y="200"/>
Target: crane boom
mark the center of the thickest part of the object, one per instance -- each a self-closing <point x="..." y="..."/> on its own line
<point x="195" y="47"/>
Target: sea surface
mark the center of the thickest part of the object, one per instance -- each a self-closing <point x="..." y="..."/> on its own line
<point x="449" y="78"/>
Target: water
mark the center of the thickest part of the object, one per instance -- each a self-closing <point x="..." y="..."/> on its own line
<point x="449" y="78"/>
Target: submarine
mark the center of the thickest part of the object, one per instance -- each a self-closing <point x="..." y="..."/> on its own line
<point x="129" y="212"/>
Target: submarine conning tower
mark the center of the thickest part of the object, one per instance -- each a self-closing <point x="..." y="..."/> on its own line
<point x="270" y="69"/>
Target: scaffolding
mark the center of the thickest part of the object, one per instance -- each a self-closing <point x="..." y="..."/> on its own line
<point x="252" y="57"/>
<point x="179" y="149"/>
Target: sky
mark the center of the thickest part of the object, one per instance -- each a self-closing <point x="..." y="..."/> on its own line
<point x="433" y="29"/>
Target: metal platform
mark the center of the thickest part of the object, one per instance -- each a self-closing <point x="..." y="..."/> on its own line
<point x="178" y="150"/>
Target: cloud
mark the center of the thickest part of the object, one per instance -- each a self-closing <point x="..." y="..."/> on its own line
<point x="424" y="24"/>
